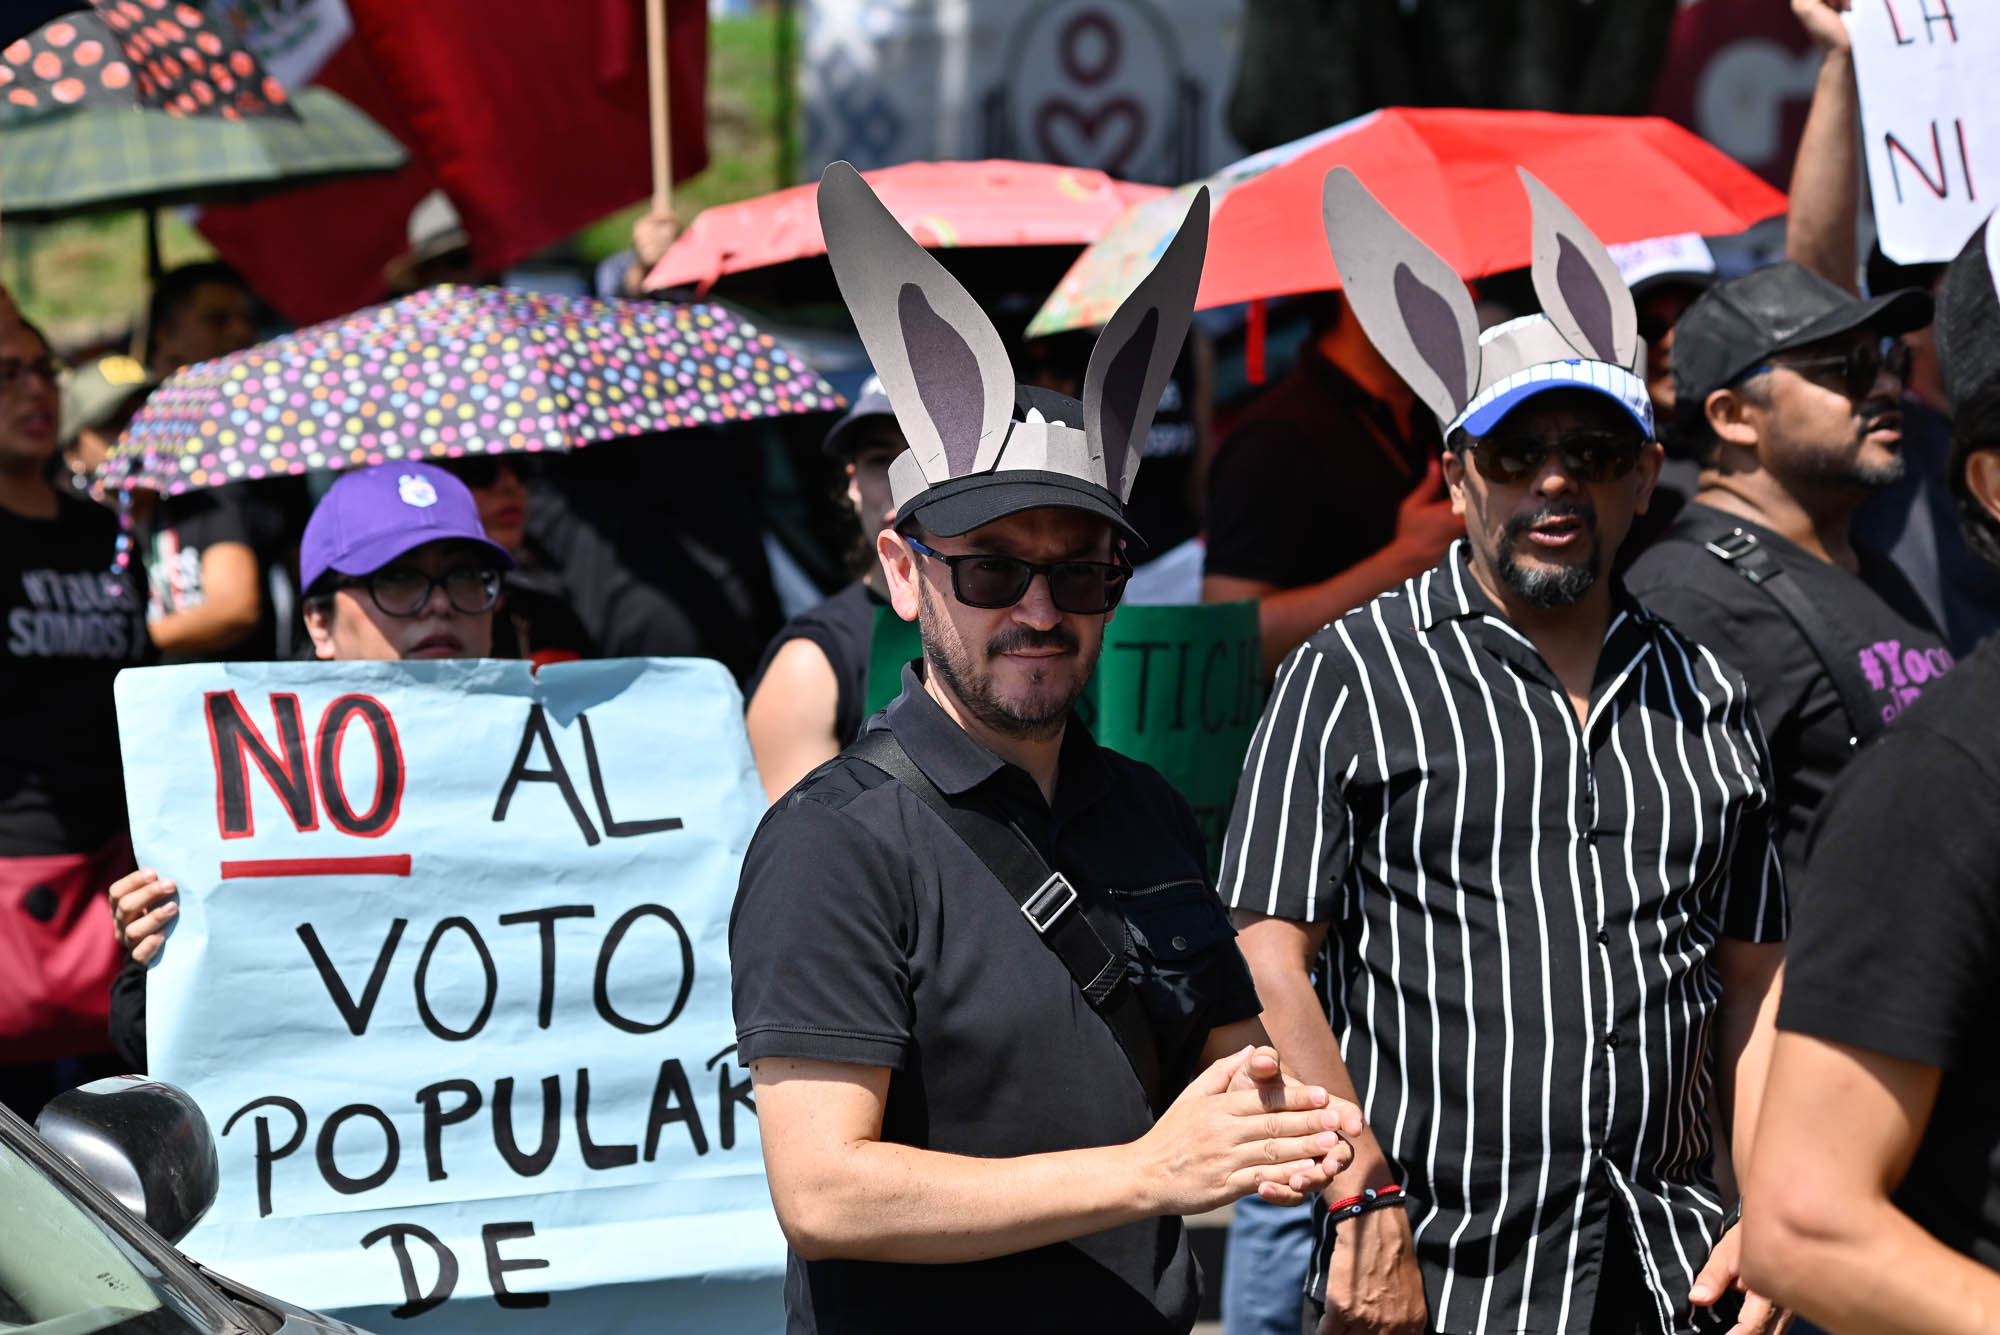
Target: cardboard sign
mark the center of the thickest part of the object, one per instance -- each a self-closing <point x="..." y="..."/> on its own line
<point x="1930" y="119"/>
<point x="1180" y="688"/>
<point x="450" y="980"/>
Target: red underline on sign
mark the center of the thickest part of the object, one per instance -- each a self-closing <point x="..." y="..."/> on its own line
<point x="395" y="864"/>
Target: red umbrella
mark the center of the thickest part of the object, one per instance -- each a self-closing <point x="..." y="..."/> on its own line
<point x="945" y="205"/>
<point x="166" y="55"/>
<point x="1449" y="176"/>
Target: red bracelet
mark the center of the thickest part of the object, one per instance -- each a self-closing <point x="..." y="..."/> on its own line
<point x="1370" y="1199"/>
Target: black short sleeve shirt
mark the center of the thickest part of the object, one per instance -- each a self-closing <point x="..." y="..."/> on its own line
<point x="1892" y="653"/>
<point x="864" y="931"/>
<point x="1897" y="947"/>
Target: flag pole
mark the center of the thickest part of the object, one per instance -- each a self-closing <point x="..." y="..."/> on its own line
<point x="662" y="121"/>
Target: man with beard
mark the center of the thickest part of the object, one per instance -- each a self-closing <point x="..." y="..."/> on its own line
<point x="1793" y="387"/>
<point x="1501" y="856"/>
<point x="1000" y="1034"/>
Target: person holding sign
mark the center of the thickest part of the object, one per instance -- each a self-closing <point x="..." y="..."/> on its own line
<point x="1000" y="1034"/>
<point x="1502" y="854"/>
<point x="396" y="566"/>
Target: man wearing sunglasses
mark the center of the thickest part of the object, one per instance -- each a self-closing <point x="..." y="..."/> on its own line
<point x="1000" y="1034"/>
<point x="1500" y="855"/>
<point x="396" y="566"/>
<point x="1792" y="389"/>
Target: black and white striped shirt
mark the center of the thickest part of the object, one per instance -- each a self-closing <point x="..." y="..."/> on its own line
<point x="1521" y="912"/>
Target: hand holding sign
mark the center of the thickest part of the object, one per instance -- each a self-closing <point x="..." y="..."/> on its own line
<point x="448" y="974"/>
<point x="1925" y="71"/>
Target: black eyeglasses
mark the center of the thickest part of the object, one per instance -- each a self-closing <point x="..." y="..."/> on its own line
<point x="1511" y="457"/>
<point x="1082" y="588"/>
<point x="403" y="592"/>
<point x="1857" y="368"/>
<point x="13" y="372"/>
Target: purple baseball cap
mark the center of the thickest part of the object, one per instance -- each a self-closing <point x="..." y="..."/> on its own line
<point x="373" y="516"/>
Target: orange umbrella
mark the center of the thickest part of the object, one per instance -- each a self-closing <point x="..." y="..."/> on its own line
<point x="945" y="205"/>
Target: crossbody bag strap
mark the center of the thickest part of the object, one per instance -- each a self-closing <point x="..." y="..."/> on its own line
<point x="1740" y="551"/>
<point x="1046" y="900"/>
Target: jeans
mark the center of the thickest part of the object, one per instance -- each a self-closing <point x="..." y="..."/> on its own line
<point x="1264" y="1268"/>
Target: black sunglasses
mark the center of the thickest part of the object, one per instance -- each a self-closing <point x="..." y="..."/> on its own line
<point x="1082" y="588"/>
<point x="1858" y="367"/>
<point x="1512" y="457"/>
<point x="402" y="592"/>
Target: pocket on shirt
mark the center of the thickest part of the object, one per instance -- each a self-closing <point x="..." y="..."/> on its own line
<point x="1182" y="954"/>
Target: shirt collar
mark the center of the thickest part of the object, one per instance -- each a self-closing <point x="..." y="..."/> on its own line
<point x="957" y="764"/>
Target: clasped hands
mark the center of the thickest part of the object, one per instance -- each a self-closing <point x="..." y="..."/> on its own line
<point x="1244" y="1127"/>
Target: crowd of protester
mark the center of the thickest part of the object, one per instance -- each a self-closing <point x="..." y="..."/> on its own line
<point x="1796" y="525"/>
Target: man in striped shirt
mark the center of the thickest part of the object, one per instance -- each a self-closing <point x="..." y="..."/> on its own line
<point x="1519" y="829"/>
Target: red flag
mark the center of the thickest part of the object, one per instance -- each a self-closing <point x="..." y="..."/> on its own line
<point x="532" y="116"/>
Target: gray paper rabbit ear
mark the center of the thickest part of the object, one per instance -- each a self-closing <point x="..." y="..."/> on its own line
<point x="1136" y="352"/>
<point x="1578" y="282"/>
<point x="1412" y="304"/>
<point x="941" y="363"/>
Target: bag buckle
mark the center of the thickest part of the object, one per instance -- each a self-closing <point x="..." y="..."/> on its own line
<point x="1048" y="903"/>
<point x="1734" y="546"/>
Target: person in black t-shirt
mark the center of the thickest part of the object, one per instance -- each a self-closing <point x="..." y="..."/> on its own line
<point x="808" y="695"/>
<point x="67" y="625"/>
<point x="218" y="588"/>
<point x="1327" y="492"/>
<point x="1877" y="1163"/>
<point x="1793" y="384"/>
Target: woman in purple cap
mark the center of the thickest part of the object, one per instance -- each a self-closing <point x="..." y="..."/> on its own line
<point x="395" y="566"/>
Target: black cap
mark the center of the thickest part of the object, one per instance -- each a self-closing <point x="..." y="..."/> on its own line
<point x="870" y="405"/>
<point x="966" y="503"/>
<point x="1735" y="325"/>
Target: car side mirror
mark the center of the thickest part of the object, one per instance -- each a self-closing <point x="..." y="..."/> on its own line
<point x="144" y="1142"/>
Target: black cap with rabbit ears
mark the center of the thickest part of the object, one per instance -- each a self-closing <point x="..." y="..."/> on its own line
<point x="981" y="447"/>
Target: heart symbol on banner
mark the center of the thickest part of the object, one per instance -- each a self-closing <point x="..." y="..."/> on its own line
<point x="1067" y="133"/>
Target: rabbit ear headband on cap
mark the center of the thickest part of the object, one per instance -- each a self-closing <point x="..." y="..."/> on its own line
<point x="981" y="447"/>
<point x="1418" y="314"/>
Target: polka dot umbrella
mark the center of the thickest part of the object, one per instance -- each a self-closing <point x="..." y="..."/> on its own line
<point x="163" y="55"/>
<point x="454" y="371"/>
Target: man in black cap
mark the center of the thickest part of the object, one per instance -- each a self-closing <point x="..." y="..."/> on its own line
<point x="1791" y="387"/>
<point x="1000" y="1032"/>
<point x="808" y="696"/>
<point x="1877" y="1171"/>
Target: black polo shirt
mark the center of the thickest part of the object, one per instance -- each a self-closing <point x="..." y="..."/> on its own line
<point x="864" y="931"/>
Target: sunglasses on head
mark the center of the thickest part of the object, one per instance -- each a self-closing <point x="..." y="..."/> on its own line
<point x="1853" y="372"/>
<point x="1591" y="456"/>
<point x="1082" y="588"/>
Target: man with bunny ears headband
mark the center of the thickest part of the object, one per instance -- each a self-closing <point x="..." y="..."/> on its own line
<point x="1001" y="1035"/>
<point x="1522" y="828"/>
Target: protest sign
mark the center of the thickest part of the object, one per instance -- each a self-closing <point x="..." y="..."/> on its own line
<point x="450" y="980"/>
<point x="1930" y="119"/>
<point x="1180" y="688"/>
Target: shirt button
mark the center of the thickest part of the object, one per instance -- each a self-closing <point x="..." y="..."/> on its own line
<point x="1180" y="943"/>
<point x="1603" y="937"/>
<point x="1611" y="1041"/>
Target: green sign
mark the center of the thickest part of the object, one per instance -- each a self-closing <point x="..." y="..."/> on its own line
<point x="1180" y="688"/>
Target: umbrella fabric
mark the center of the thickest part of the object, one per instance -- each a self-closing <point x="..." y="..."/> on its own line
<point x="453" y="371"/>
<point x="1449" y="176"/>
<point x="942" y="204"/>
<point x="99" y="158"/>
<point x="166" y="55"/>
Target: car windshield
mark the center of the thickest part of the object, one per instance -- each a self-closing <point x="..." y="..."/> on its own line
<point x="64" y="1272"/>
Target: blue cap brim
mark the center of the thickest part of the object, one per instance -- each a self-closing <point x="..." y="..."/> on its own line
<point x="1488" y="415"/>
